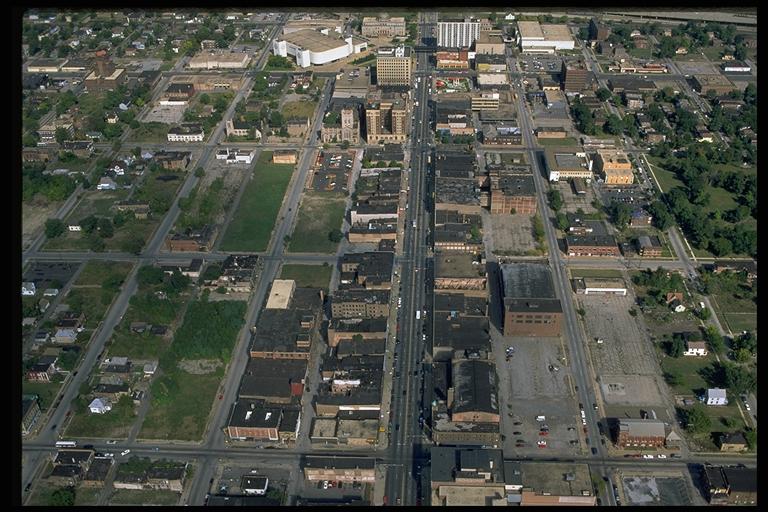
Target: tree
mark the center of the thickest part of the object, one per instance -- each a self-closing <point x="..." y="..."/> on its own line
<point x="714" y="339"/>
<point x="199" y="172"/>
<point x="89" y="224"/>
<point x="751" y="436"/>
<point x="746" y="342"/>
<point x="555" y="199"/>
<point x="112" y="282"/>
<point x="613" y="125"/>
<point x="738" y="380"/>
<point x="335" y="236"/>
<point x="176" y="283"/>
<point x="620" y="214"/>
<point x="205" y="99"/>
<point x="106" y="230"/>
<point x="96" y="244"/>
<point x="676" y="346"/>
<point x="54" y="228"/>
<point x="561" y="221"/>
<point x="132" y="245"/>
<point x="61" y="135"/>
<point x="603" y="94"/>
<point x="705" y="314"/>
<point x="149" y="275"/>
<point x="697" y="421"/>
<point x="63" y="497"/>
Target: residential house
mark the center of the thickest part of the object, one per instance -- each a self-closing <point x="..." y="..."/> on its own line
<point x="733" y="442"/>
<point x="695" y="348"/>
<point x="65" y="336"/>
<point x="42" y="370"/>
<point x="106" y="183"/>
<point x="716" y="396"/>
<point x="28" y="289"/>
<point x="100" y="406"/>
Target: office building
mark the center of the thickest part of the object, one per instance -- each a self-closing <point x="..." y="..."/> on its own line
<point x="457" y="34"/>
<point x="530" y="305"/>
<point x="394" y="65"/>
<point x="383" y="27"/>
<point x="537" y="38"/>
<point x="574" y="76"/>
<point x="386" y="117"/>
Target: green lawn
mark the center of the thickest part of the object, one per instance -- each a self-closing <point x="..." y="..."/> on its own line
<point x="310" y="276"/>
<point x="687" y="368"/>
<point x="713" y="53"/>
<point x="720" y="200"/>
<point x="47" y="392"/>
<point x="567" y="141"/>
<point x="252" y="224"/>
<point x="150" y="132"/>
<point x="113" y="424"/>
<point x="96" y="202"/>
<point x="92" y="301"/>
<point x="595" y="272"/>
<point x="69" y="241"/>
<point x="667" y="179"/>
<point x="320" y="213"/>
<point x="137" y="346"/>
<point x="738" y="322"/>
<point x="144" y="497"/>
<point x="96" y="272"/>
<point x="299" y="109"/>
<point x="642" y="53"/>
<point x="85" y="496"/>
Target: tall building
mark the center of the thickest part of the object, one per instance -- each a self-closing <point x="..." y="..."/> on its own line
<point x="394" y="65"/>
<point x="342" y="125"/>
<point x="457" y="34"/>
<point x="598" y="31"/>
<point x="574" y="77"/>
<point x="386" y="116"/>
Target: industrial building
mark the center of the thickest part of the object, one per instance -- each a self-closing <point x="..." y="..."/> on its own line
<point x="513" y="194"/>
<point x="311" y="47"/>
<point x="458" y="59"/>
<point x="394" y="65"/>
<point x="489" y="43"/>
<point x="591" y="245"/>
<point x="188" y="132"/>
<point x="566" y="164"/>
<point x="533" y="37"/>
<point x="460" y="273"/>
<point x="718" y="83"/>
<point x="615" y="166"/>
<point x="530" y="305"/>
<point x="594" y="285"/>
<point x="635" y="433"/>
<point x="465" y="477"/>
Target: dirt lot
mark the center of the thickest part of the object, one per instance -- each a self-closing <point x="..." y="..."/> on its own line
<point x="527" y="388"/>
<point x="167" y="114"/>
<point x="512" y="235"/>
<point x="633" y="390"/>
<point x="697" y="68"/>
<point x="571" y="201"/>
<point x="626" y="348"/>
<point x="199" y="366"/>
<point x="33" y="217"/>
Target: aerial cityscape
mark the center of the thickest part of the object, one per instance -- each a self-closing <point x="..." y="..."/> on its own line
<point x="496" y="257"/>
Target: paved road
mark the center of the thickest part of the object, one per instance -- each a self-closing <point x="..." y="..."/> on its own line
<point x="572" y="331"/>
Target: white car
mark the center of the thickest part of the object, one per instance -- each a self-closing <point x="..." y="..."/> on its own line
<point x="662" y="456"/>
<point x="325" y="484"/>
<point x="747" y="407"/>
<point x="125" y="452"/>
<point x="647" y="456"/>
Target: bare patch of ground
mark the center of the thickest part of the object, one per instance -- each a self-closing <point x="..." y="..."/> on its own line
<point x="199" y="366"/>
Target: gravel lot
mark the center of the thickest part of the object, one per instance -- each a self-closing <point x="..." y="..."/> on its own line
<point x="512" y="233"/>
<point x="168" y="114"/>
<point x="626" y="349"/>
<point x="630" y="390"/>
<point x="697" y="68"/>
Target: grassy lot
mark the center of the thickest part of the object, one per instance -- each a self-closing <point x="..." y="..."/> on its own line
<point x="85" y="496"/>
<point x="96" y="272"/>
<point x="252" y="224"/>
<point x="137" y="346"/>
<point x="41" y="496"/>
<point x="734" y="168"/>
<point x="713" y="53"/>
<point x="567" y="141"/>
<point x="738" y="322"/>
<point x="595" y="272"/>
<point x="149" y="132"/>
<point x="97" y="202"/>
<point x="93" y="301"/>
<point x="642" y="53"/>
<point x="687" y="368"/>
<point x="320" y="213"/>
<point x="209" y="332"/>
<point x="667" y="179"/>
<point x="720" y="200"/>
<point x="113" y="424"/>
<point x="733" y="304"/>
<point x="69" y="241"/>
<point x="311" y="276"/>
<point x="47" y="392"/>
<point x="299" y="109"/>
<point x="180" y="417"/>
<point x="144" y="497"/>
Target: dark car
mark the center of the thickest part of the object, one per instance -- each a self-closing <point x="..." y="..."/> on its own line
<point x="594" y="451"/>
<point x="518" y="423"/>
<point x="88" y="447"/>
<point x="54" y="427"/>
<point x="397" y="427"/>
<point x="28" y="487"/>
<point x="517" y="433"/>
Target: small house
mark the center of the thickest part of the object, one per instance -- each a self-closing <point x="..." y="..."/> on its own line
<point x="65" y="336"/>
<point x="100" y="406"/>
<point x="733" y="442"/>
<point x="28" y="289"/>
<point x="695" y="348"/>
<point x="716" y="396"/>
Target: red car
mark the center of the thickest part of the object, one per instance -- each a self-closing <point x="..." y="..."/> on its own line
<point x="543" y="433"/>
<point x="221" y="396"/>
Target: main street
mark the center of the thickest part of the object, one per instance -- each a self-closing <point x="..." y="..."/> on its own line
<point x="572" y="331"/>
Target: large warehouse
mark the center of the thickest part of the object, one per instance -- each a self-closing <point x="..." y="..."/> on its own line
<point x="536" y="38"/>
<point x="313" y="47"/>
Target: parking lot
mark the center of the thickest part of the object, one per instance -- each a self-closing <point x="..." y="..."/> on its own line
<point x="625" y="349"/>
<point x="43" y="274"/>
<point x="332" y="174"/>
<point x="329" y="489"/>
<point x="534" y="382"/>
<point x="512" y="235"/>
<point x="697" y="68"/>
<point x="168" y="114"/>
<point x="670" y="490"/>
<point x="572" y="201"/>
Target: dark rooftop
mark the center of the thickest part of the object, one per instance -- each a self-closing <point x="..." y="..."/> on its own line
<point x="475" y="387"/>
<point x="271" y="378"/>
<point x="527" y="280"/>
<point x="249" y="413"/>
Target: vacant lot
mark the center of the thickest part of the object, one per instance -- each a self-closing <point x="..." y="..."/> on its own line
<point x="512" y="235"/>
<point x="626" y="349"/>
<point x="299" y="109"/>
<point x="310" y="276"/>
<point x="96" y="272"/>
<point x="631" y="390"/>
<point x="320" y="214"/>
<point x="33" y="216"/>
<point x="566" y="141"/>
<point x="150" y="132"/>
<point x="86" y="496"/>
<point x="667" y="180"/>
<point x="164" y="114"/>
<point x="687" y="371"/>
<point x="142" y="497"/>
<point x="573" y="202"/>
<point x="595" y="272"/>
<point x="658" y="491"/>
<point x="113" y="424"/>
<point x="47" y="392"/>
<point x="252" y="224"/>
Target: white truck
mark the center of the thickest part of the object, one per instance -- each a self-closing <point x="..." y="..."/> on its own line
<point x="418" y="315"/>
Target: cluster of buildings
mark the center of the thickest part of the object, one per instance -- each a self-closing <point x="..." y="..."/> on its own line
<point x="237" y="274"/>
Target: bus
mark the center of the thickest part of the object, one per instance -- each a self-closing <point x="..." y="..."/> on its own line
<point x="66" y="444"/>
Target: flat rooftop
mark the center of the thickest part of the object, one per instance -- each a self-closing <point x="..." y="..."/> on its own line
<point x="556" y="32"/>
<point x="313" y="40"/>
<point x="280" y="296"/>
<point x="527" y="280"/>
<point x="458" y="265"/>
<point x="530" y="30"/>
<point x="557" y="479"/>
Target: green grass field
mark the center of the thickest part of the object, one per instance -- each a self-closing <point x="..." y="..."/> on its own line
<point x="86" y="496"/>
<point x="96" y="202"/>
<point x="181" y="417"/>
<point x="738" y="322"/>
<point x="93" y="301"/>
<point x="96" y="272"/>
<point x="252" y="224"/>
<point x="713" y="53"/>
<point x="144" y="497"/>
<point x="310" y="276"/>
<point x="595" y="272"/>
<point x="667" y="179"/>
<point x="320" y="213"/>
<point x="687" y="368"/>
<point x="720" y="200"/>
<point x="299" y="109"/>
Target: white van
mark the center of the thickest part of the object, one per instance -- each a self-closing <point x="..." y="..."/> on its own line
<point x="541" y="418"/>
